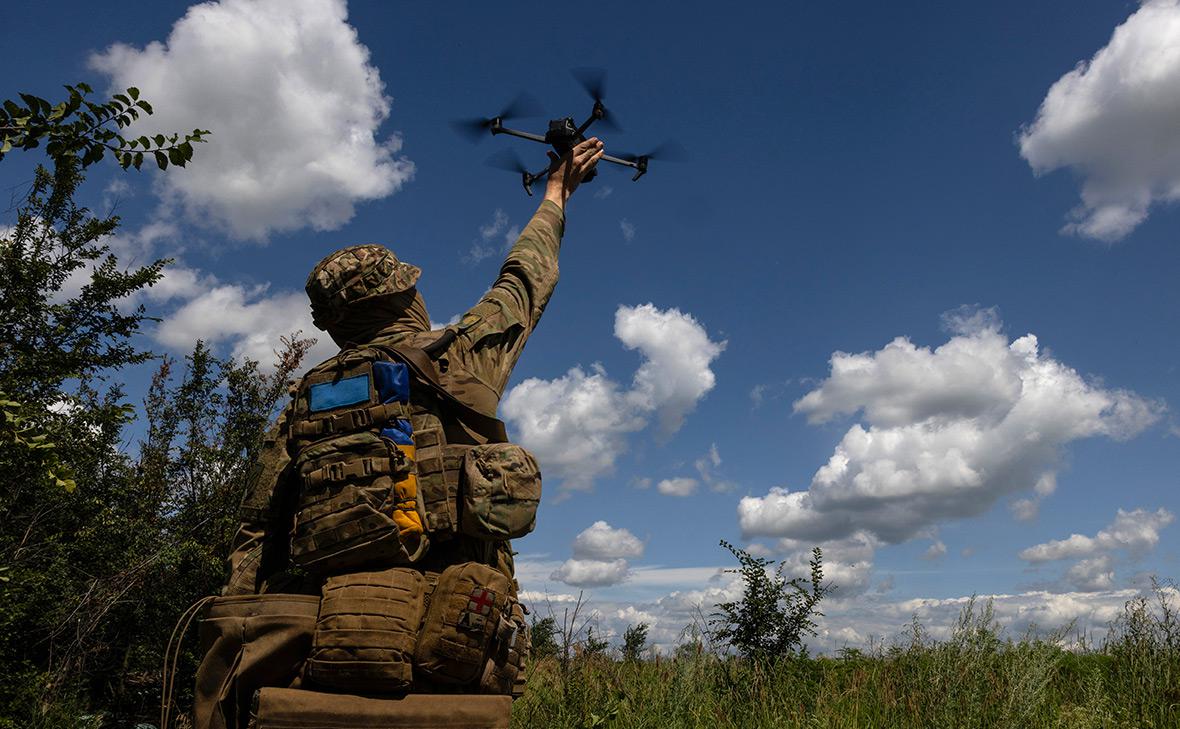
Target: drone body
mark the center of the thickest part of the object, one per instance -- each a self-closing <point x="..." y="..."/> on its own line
<point x="562" y="134"/>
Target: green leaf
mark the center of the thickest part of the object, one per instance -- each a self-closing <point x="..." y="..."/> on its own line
<point x="7" y="146"/>
<point x="144" y="105"/>
<point x="159" y="140"/>
<point x="133" y="92"/>
<point x="13" y="108"/>
<point x="161" y="160"/>
<point x="138" y="159"/>
<point x="145" y="142"/>
<point x="122" y="99"/>
<point x="187" y="150"/>
<point x="34" y="102"/>
<point x="176" y="157"/>
<point x="125" y="160"/>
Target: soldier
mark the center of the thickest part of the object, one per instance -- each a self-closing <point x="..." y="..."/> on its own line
<point x="361" y="565"/>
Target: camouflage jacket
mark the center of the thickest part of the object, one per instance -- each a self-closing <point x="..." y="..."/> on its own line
<point x="475" y="368"/>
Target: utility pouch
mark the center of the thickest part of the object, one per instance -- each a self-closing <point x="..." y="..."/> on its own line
<point x="500" y="489"/>
<point x="366" y="631"/>
<point x="276" y="708"/>
<point x="503" y="672"/>
<point x="357" y="505"/>
<point x="464" y="615"/>
<point x="249" y="642"/>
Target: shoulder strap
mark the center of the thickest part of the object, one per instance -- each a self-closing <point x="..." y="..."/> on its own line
<point x="424" y="370"/>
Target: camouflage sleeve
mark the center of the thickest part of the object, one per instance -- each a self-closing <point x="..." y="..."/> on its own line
<point x="246" y="551"/>
<point x="493" y="332"/>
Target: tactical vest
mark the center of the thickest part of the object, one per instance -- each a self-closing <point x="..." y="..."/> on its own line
<point x="388" y="460"/>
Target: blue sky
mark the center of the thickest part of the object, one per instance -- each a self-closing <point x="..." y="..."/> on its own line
<point x="859" y="173"/>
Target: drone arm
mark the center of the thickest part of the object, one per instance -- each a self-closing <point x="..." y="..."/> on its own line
<point x="500" y="129"/>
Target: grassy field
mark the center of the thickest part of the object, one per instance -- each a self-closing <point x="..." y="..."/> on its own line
<point x="974" y="678"/>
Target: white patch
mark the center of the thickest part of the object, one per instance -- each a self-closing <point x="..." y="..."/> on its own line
<point x="677" y="486"/>
<point x="948" y="432"/>
<point x="248" y="318"/>
<point x="628" y="229"/>
<point x="591" y="572"/>
<point x="1112" y="120"/>
<point x="602" y="541"/>
<point x="293" y="105"/>
<point x="577" y="425"/>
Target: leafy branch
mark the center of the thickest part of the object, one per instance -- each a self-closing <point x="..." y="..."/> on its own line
<point x="81" y="130"/>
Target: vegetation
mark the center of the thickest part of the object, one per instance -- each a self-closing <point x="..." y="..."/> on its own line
<point x="108" y="533"/>
<point x="975" y="678"/>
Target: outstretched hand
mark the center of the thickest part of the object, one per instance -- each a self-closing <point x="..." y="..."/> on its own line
<point x="567" y="172"/>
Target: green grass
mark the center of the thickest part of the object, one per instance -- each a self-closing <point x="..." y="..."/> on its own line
<point x="975" y="678"/>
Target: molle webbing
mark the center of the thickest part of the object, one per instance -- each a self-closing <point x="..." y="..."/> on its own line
<point x="347" y="420"/>
<point x="348" y="470"/>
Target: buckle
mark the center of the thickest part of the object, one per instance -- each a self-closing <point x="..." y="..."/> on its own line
<point x="335" y="471"/>
<point x="361" y="418"/>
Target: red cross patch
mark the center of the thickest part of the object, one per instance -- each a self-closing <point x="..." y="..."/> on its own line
<point x="480" y="601"/>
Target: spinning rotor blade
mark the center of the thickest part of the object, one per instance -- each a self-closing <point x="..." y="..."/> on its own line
<point x="593" y="80"/>
<point x="523" y="106"/>
<point x="669" y="151"/>
<point x="507" y="159"/>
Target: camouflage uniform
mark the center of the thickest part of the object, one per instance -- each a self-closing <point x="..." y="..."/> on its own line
<point x="475" y="368"/>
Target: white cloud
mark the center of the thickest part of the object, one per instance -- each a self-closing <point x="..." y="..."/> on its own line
<point x="708" y="466"/>
<point x="948" y="432"/>
<point x="1136" y="531"/>
<point x="676" y="372"/>
<point x="628" y="229"/>
<point x="937" y="550"/>
<point x="591" y="572"/>
<point x="602" y="541"/>
<point x="247" y="319"/>
<point x="677" y="486"/>
<point x="600" y="557"/>
<point x="577" y="424"/>
<point x="603" y="192"/>
<point x="495" y="236"/>
<point x="294" y="106"/>
<point x="1112" y="120"/>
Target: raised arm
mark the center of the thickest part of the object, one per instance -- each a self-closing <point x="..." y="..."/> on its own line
<point x="494" y="331"/>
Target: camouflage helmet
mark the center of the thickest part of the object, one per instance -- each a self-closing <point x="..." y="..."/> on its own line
<point x="354" y="274"/>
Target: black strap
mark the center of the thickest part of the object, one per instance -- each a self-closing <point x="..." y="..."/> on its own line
<point x="422" y="366"/>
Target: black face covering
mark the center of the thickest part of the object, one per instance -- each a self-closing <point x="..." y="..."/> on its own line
<point x="394" y="314"/>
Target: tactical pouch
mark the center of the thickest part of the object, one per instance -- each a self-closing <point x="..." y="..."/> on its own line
<point x="357" y="505"/>
<point x="500" y="489"/>
<point x="468" y="609"/>
<point x="366" y="631"/>
<point x="504" y="671"/>
<point x="276" y="708"/>
<point x="248" y="642"/>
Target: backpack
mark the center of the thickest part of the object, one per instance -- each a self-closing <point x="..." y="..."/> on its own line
<point x="386" y="460"/>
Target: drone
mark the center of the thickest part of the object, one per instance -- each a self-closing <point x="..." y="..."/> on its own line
<point x="562" y="135"/>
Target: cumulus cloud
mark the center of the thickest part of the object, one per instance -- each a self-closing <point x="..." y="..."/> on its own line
<point x="247" y="319"/>
<point x="1112" y="120"/>
<point x="602" y="541"/>
<point x="578" y="424"/>
<point x="1136" y="531"/>
<point x="947" y="432"/>
<point x="294" y="106"/>
<point x="677" y="486"/>
<point x="591" y="572"/>
<point x="600" y="557"/>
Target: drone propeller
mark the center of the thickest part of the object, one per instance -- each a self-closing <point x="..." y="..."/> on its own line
<point x="524" y="105"/>
<point x="668" y="152"/>
<point x="508" y="159"/>
<point x="594" y="81"/>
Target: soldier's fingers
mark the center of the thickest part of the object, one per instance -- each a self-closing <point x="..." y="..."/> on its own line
<point x="581" y="155"/>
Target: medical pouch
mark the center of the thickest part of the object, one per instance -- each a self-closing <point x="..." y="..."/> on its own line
<point x="465" y="615"/>
<point x="500" y="489"/>
<point x="367" y="630"/>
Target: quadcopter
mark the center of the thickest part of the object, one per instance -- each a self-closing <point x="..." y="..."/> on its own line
<point x="563" y="133"/>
